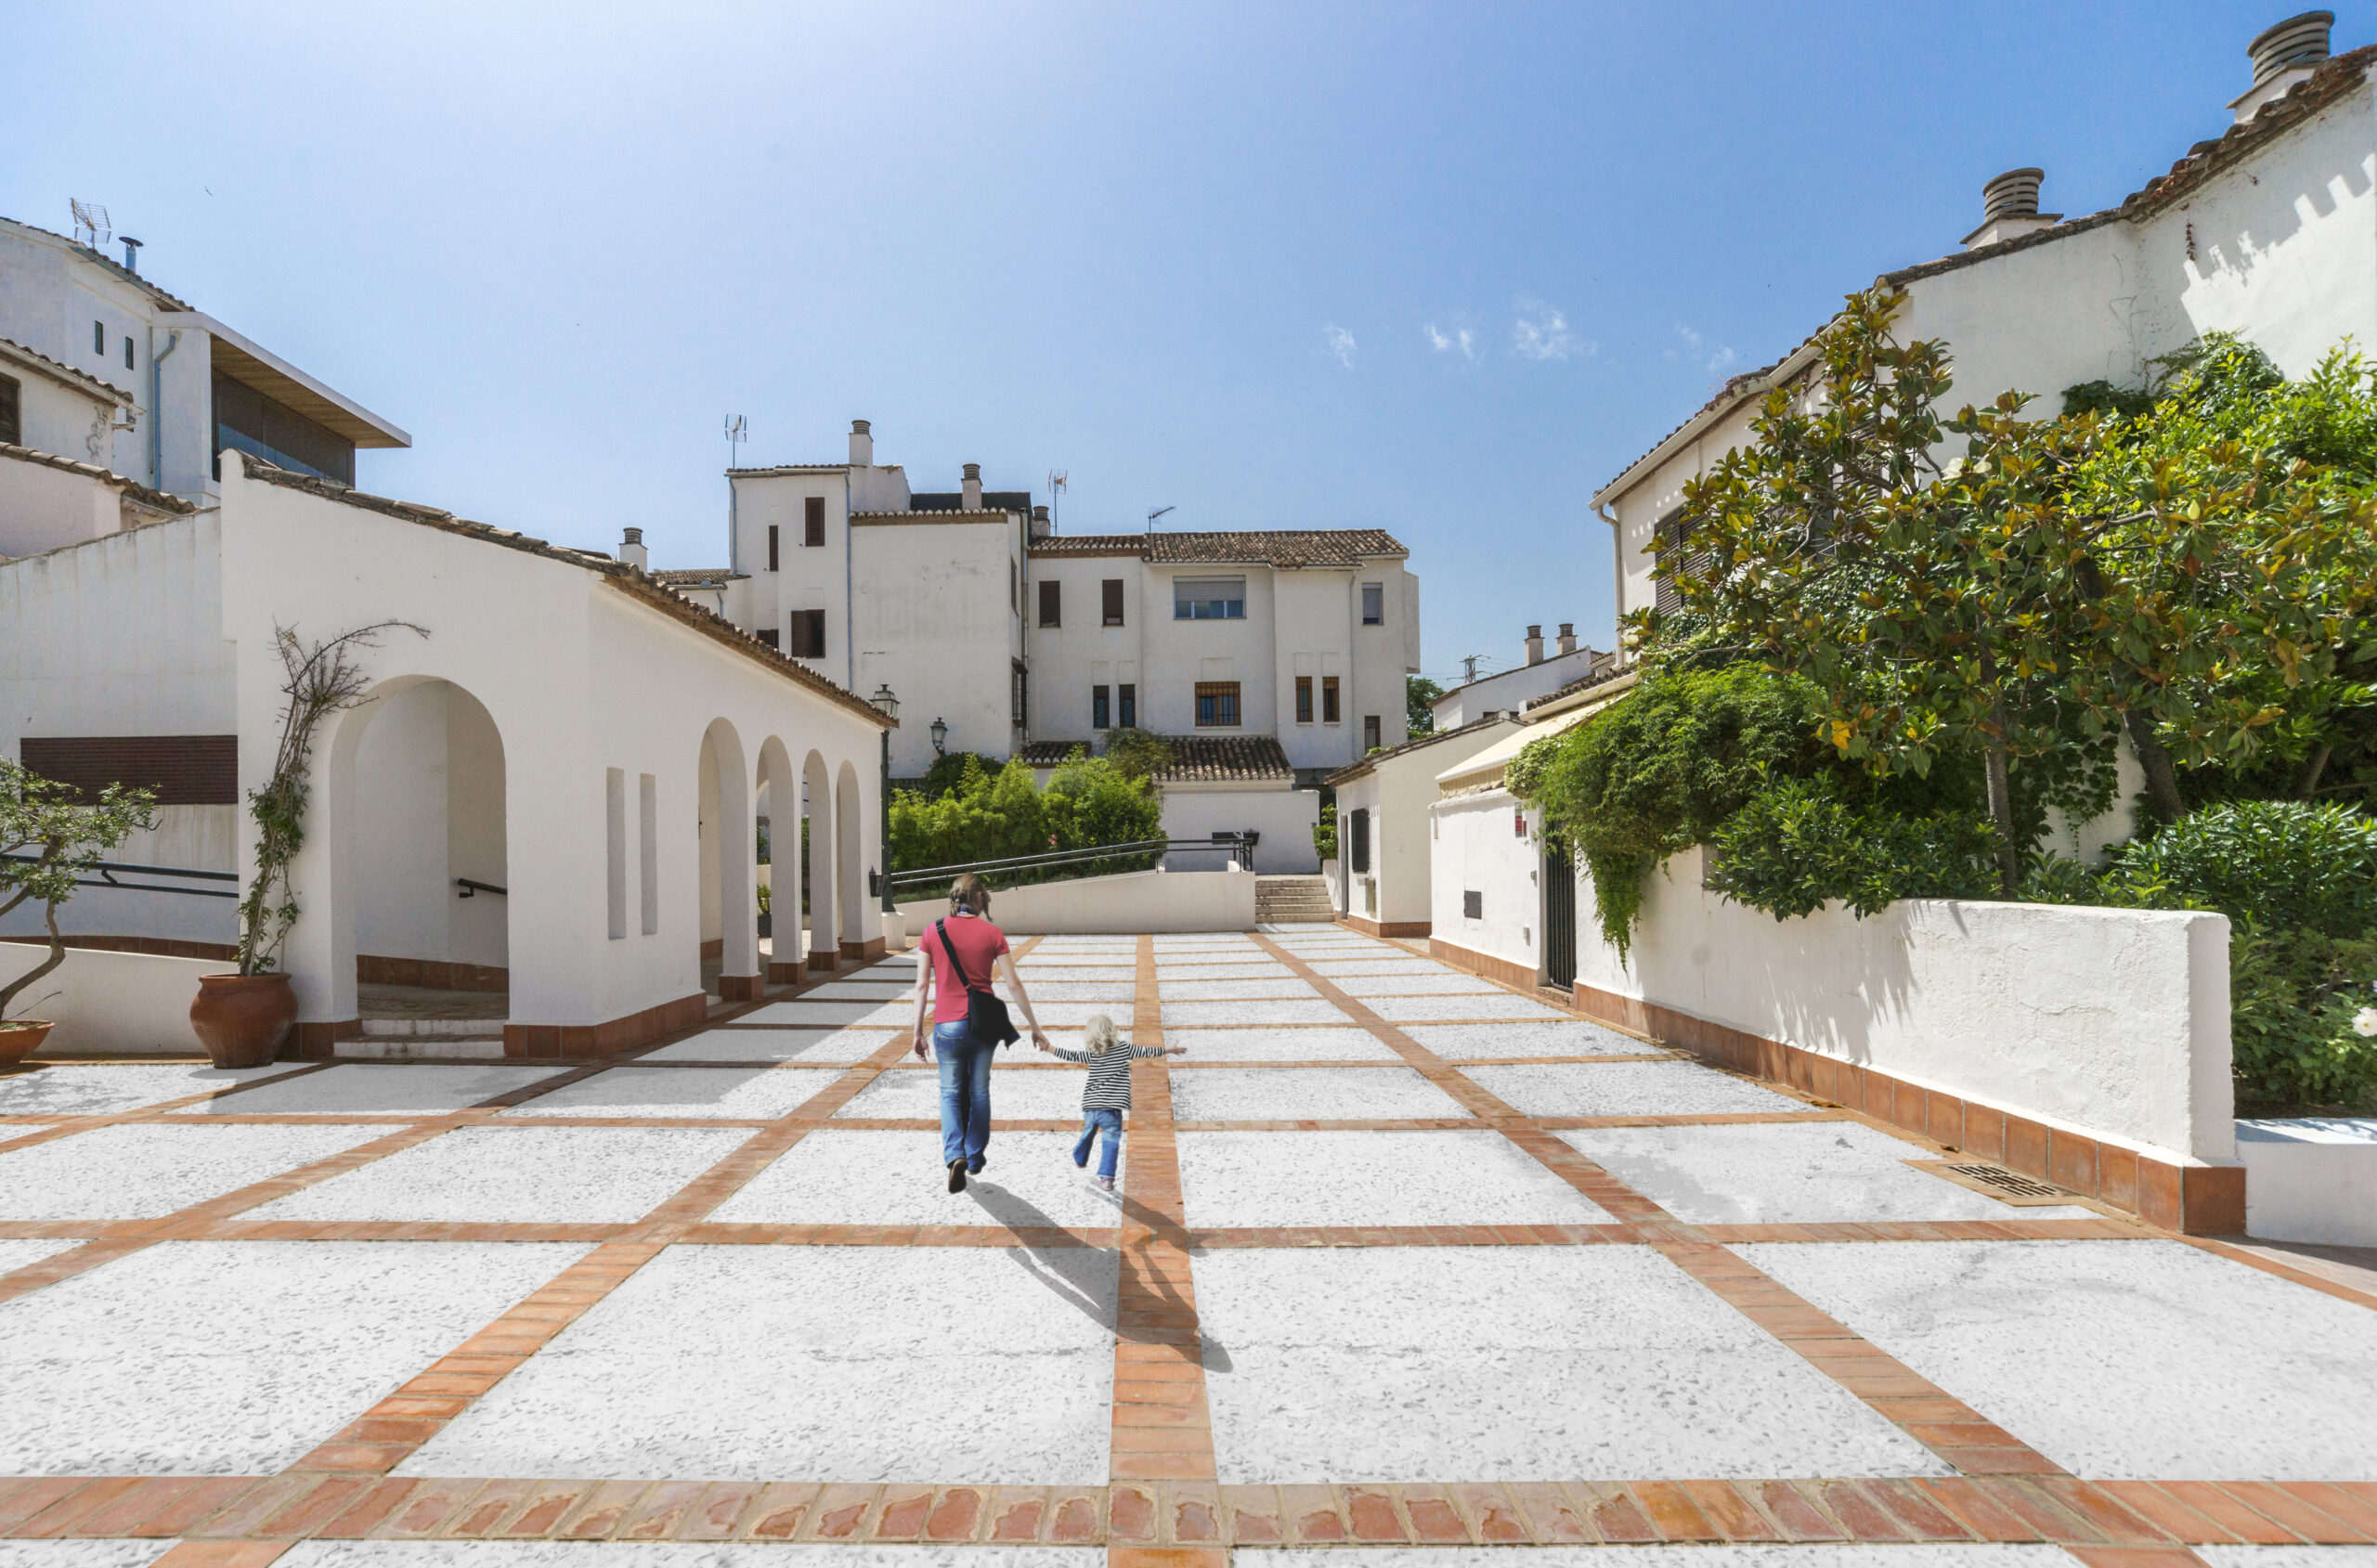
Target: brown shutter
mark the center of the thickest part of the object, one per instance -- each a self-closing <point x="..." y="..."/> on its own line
<point x="1052" y="602"/>
<point x="1110" y="591"/>
<point x="773" y="557"/>
<point x="182" y="770"/>
<point x="812" y="522"/>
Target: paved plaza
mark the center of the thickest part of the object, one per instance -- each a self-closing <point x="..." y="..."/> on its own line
<point x="1404" y="1266"/>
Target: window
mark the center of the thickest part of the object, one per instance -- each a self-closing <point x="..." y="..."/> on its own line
<point x="1052" y="602"/>
<point x="1209" y="599"/>
<point x="1020" y="685"/>
<point x="1473" y="905"/>
<point x="1670" y="532"/>
<point x="247" y="421"/>
<point x="1303" y="699"/>
<point x="1011" y="604"/>
<point x="12" y="412"/>
<point x="1111" y="596"/>
<point x="98" y="337"/>
<point x="615" y="841"/>
<point x="1358" y="840"/>
<point x="1217" y="704"/>
<point x="1374" y="603"/>
<point x="179" y="769"/>
<point x="773" y="560"/>
<point x="1329" y="699"/>
<point x="1127" y="701"/>
<point x="812" y="522"/>
<point x="647" y="790"/>
<point x="1097" y="713"/>
<point x="1369" y="732"/>
<point x="808" y="634"/>
<point x="769" y="635"/>
<point x="127" y="351"/>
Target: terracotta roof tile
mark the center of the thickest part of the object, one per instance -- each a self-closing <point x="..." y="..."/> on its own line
<point x="11" y="349"/>
<point x="1417" y="742"/>
<point x="1195" y="759"/>
<point x="132" y="488"/>
<point x="1273" y="547"/>
<point x="693" y="577"/>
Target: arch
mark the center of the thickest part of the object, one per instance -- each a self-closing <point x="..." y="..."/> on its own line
<point x="777" y="802"/>
<point x="729" y="906"/>
<point x="848" y="815"/>
<point x="819" y="860"/>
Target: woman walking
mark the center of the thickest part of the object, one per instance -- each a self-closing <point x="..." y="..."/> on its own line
<point x="954" y="958"/>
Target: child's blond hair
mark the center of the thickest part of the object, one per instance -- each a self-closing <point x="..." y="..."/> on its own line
<point x="1103" y="1038"/>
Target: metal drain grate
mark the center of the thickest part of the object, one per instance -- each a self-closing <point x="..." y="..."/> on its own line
<point x="2006" y="1186"/>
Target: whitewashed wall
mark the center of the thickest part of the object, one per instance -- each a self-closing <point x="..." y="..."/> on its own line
<point x="109" y="1004"/>
<point x="1284" y="817"/>
<point x="1142" y="900"/>
<point x="1479" y="847"/>
<point x="938" y="620"/>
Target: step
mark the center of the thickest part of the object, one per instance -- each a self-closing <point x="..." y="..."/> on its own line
<point x="407" y="1029"/>
<point x="402" y="1048"/>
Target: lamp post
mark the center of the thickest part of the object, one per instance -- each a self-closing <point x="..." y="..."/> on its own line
<point x="940" y="736"/>
<point x="889" y="703"/>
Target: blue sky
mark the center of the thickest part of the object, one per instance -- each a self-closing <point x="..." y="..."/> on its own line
<point x="1438" y="269"/>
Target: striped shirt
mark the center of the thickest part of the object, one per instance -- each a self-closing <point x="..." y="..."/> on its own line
<point x="1110" y="1074"/>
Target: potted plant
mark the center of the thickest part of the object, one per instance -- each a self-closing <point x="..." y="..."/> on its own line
<point x="243" y="1018"/>
<point x="766" y="925"/>
<point x="50" y="837"/>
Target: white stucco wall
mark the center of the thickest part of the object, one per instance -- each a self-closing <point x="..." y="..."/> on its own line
<point x="429" y="806"/>
<point x="1400" y="792"/>
<point x="61" y="418"/>
<point x="1478" y="847"/>
<point x="1284" y="817"/>
<point x="1511" y="689"/>
<point x="1143" y="900"/>
<point x="109" y="1004"/>
<point x="936" y="622"/>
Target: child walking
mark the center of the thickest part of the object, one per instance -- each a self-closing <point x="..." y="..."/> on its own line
<point x="1108" y="1095"/>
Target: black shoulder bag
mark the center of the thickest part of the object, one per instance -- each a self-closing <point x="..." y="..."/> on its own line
<point x="986" y="1018"/>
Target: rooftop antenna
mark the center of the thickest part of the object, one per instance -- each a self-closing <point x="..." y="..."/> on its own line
<point x="1155" y="514"/>
<point x="91" y="225"/>
<point x="1056" y="480"/>
<point x="738" y="430"/>
<point x="1469" y="667"/>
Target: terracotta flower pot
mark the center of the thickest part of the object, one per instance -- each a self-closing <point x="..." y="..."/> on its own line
<point x="242" y="1019"/>
<point x="20" y="1038"/>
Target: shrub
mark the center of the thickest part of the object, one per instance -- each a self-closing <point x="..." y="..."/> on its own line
<point x="2280" y="863"/>
<point x="988" y="816"/>
<point x="2292" y="997"/>
<point x="1138" y="753"/>
<point x="1324" y="836"/>
<point x="1796" y="847"/>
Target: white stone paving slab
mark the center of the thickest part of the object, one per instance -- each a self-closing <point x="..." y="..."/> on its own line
<point x="19" y="1254"/>
<point x="1073" y="990"/>
<point x="1628" y="1089"/>
<point x="1824" y="1554"/>
<point x="1233" y="989"/>
<point x="1336" y="967"/>
<point x="775" y="1046"/>
<point x="867" y="988"/>
<point x="2235" y="1556"/>
<point x="1530" y="1364"/>
<point x="1036" y="975"/>
<point x="143" y="1170"/>
<point x="1569" y="1037"/>
<point x="1785" y="1173"/>
<point x="1017" y="1093"/>
<point x="74" y="1089"/>
<point x="1460" y="1009"/>
<point x="236" y="1357"/>
<point x="1071" y="1015"/>
<point x="395" y="1089"/>
<point x="841" y="1014"/>
<point x="753" y="1092"/>
<point x="560" y="1175"/>
<point x="870" y="1177"/>
<point x="1418" y="1178"/>
<point x="660" y="1554"/>
<point x="995" y="1365"/>
<point x="82" y="1554"/>
<point x="1341" y="1094"/>
<point x="1192" y="1015"/>
<point x="1260" y="971"/>
<point x="2119" y="1360"/>
<point x="1279" y="1045"/>
<point x="1443" y="983"/>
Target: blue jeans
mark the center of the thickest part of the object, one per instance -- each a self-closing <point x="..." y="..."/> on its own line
<point x="964" y="1092"/>
<point x="1092" y="1120"/>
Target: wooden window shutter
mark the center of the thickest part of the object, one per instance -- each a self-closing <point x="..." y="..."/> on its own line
<point x="1052" y="602"/>
<point x="1110" y="593"/>
<point x="182" y="770"/>
<point x="812" y="522"/>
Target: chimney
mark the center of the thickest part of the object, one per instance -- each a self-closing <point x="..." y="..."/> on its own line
<point x="2009" y="208"/>
<point x="2282" y="55"/>
<point x="632" y="549"/>
<point x="972" y="487"/>
<point x="1568" y="638"/>
<point x="1041" y="526"/>
<point x="861" y="445"/>
<point x="1534" y="644"/>
<point x="132" y="251"/>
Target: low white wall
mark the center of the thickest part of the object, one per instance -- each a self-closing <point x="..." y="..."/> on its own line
<point x="2312" y="1180"/>
<point x="111" y="1004"/>
<point x="2113" y="1023"/>
<point x="1284" y="817"/>
<point x="1139" y="900"/>
<point x="1479" y="846"/>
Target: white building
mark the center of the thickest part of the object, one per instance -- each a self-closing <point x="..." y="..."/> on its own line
<point x="553" y="790"/>
<point x="99" y="365"/>
<point x="1509" y="689"/>
<point x="1385" y="831"/>
<point x="2267" y="229"/>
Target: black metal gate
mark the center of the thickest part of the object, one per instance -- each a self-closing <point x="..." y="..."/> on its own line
<point x="1559" y="919"/>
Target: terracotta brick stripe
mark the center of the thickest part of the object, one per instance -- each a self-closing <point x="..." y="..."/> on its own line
<point x="66" y="1127"/>
<point x="2251" y="1259"/>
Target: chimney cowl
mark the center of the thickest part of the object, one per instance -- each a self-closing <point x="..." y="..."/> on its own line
<point x="1567" y="637"/>
<point x="632" y="549"/>
<point x="2284" y="54"/>
<point x="2009" y="208"/>
<point x="861" y="445"/>
<point x="131" y="252"/>
<point x="971" y="486"/>
<point x="1040" y="527"/>
<point x="1534" y="644"/>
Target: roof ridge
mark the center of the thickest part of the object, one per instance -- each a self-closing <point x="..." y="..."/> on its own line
<point x="61" y="366"/>
<point x="138" y="491"/>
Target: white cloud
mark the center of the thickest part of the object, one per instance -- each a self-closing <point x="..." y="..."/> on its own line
<point x="1460" y="338"/>
<point x="1341" y="343"/>
<point x="1541" y="332"/>
<point x="1697" y="351"/>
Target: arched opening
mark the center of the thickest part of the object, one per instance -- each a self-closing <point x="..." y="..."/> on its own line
<point x="776" y="833"/>
<point x="729" y="906"/>
<point x="846" y="815"/>
<point x="430" y="895"/>
<point x="817" y="838"/>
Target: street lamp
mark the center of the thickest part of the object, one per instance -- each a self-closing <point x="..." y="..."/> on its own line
<point x="940" y="736"/>
<point x="889" y="703"/>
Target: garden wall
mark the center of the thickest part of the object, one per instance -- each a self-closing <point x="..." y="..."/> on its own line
<point x="111" y="1004"/>
<point x="1137" y="900"/>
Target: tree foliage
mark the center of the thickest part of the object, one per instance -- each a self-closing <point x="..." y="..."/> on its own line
<point x="1003" y="815"/>
<point x="1138" y="754"/>
<point x="1419" y="714"/>
<point x="50" y="837"/>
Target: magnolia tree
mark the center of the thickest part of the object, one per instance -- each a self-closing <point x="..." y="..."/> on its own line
<point x="49" y="837"/>
<point x="1974" y="584"/>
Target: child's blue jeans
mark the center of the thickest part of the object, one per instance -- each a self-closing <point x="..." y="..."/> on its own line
<point x="1092" y="1120"/>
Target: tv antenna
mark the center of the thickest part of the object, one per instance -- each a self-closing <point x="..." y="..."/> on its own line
<point x="738" y="430"/>
<point x="1469" y="664"/>
<point x="90" y="222"/>
<point x="1155" y="514"/>
<point x="1058" y="478"/>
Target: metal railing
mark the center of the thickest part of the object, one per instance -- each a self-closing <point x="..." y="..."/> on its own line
<point x="1239" y="847"/>
<point x="470" y="888"/>
<point x="105" y="869"/>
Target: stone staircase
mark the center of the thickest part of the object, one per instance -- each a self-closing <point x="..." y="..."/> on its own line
<point x="1288" y="901"/>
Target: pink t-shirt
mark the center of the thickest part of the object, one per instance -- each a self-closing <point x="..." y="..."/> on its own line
<point x="978" y="942"/>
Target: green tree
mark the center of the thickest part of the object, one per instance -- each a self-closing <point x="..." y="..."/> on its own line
<point x="1138" y="753"/>
<point x="1419" y="693"/>
<point x="1004" y="815"/>
<point x="49" y="837"/>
